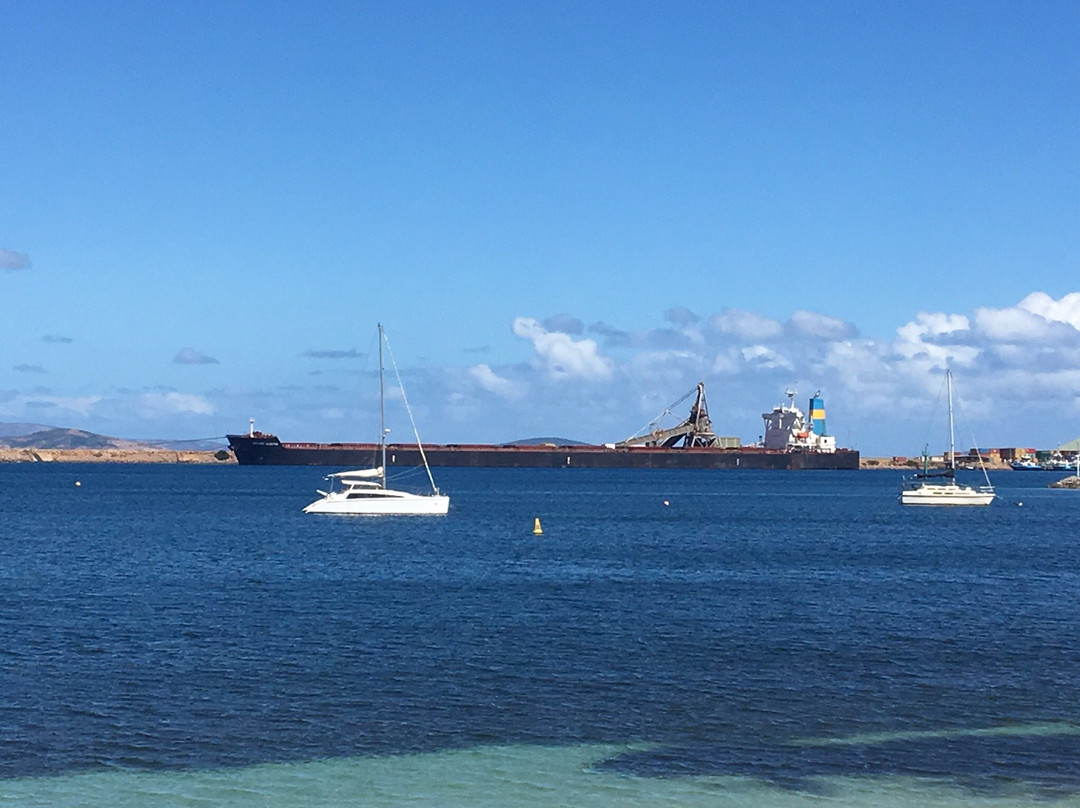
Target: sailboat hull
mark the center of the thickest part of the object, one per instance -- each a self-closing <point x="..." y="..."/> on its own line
<point x="948" y="494"/>
<point x="383" y="502"/>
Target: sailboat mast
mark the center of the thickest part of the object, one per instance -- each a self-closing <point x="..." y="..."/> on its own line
<point x="952" y="448"/>
<point x="382" y="409"/>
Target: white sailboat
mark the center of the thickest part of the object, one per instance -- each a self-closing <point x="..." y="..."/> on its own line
<point x="363" y="492"/>
<point x="941" y="488"/>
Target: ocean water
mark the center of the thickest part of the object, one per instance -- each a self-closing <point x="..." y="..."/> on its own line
<point x="185" y="636"/>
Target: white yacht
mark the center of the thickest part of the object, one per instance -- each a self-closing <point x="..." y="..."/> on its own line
<point x="941" y="487"/>
<point x="363" y="492"/>
<point x="944" y="490"/>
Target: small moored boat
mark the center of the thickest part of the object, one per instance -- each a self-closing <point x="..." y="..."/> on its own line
<point x="363" y="492"/>
<point x="941" y="487"/>
<point x="1025" y="464"/>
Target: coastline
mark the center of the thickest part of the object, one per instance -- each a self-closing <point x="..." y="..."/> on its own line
<point x="220" y="457"/>
<point x="913" y="464"/>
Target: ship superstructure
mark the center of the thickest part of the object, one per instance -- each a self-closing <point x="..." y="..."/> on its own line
<point x="787" y="430"/>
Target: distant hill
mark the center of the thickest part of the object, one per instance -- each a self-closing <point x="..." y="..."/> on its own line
<point x="18" y="430"/>
<point x="18" y="436"/>
<point x="546" y="442"/>
<point x="54" y="438"/>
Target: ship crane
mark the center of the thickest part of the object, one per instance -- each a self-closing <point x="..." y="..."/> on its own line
<point x="694" y="431"/>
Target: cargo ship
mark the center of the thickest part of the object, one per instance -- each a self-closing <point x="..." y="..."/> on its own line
<point x="791" y="441"/>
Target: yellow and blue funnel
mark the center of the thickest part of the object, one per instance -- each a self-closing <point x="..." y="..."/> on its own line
<point x="817" y="414"/>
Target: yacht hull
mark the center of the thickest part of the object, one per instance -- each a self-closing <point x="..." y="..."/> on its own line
<point x="945" y="495"/>
<point x="384" y="503"/>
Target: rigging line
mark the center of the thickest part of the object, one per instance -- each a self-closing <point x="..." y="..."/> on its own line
<point x="405" y="474"/>
<point x="408" y="409"/>
<point x="967" y="423"/>
<point x="667" y="411"/>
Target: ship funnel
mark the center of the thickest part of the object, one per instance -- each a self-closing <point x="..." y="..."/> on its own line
<point x="817" y="414"/>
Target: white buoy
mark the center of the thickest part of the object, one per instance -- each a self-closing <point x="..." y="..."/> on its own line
<point x="666" y="502"/>
<point x="77" y="483"/>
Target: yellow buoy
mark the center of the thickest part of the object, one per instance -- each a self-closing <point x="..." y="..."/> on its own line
<point x="537" y="530"/>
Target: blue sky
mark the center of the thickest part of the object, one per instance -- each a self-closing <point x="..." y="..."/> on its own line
<point x="566" y="214"/>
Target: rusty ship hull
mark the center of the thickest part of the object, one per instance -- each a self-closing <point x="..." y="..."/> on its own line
<point x="791" y="442"/>
<point x="262" y="449"/>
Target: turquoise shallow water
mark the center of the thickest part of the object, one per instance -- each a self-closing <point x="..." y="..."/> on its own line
<point x="185" y="636"/>
<point x="487" y="777"/>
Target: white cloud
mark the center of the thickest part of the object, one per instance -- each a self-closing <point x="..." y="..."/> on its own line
<point x="666" y="372"/>
<point x="9" y="259"/>
<point x="349" y="353"/>
<point x="15" y="407"/>
<point x="933" y="325"/>
<point x="693" y="335"/>
<point x="189" y="356"/>
<point x="561" y="356"/>
<point x="1012" y="325"/>
<point x="494" y="383"/>
<point x="936" y="339"/>
<point x="566" y="323"/>
<point x="760" y="356"/>
<point x="163" y="405"/>
<point x="745" y="325"/>
<point x="820" y="326"/>
<point x="727" y="362"/>
<point x="681" y="316"/>
<point x="1038" y="318"/>
<point x="1065" y="310"/>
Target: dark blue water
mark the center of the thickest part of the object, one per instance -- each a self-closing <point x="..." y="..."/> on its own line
<point x="176" y="617"/>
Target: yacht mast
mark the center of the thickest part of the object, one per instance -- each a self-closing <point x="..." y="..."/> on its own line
<point x="952" y="449"/>
<point x="382" y="410"/>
